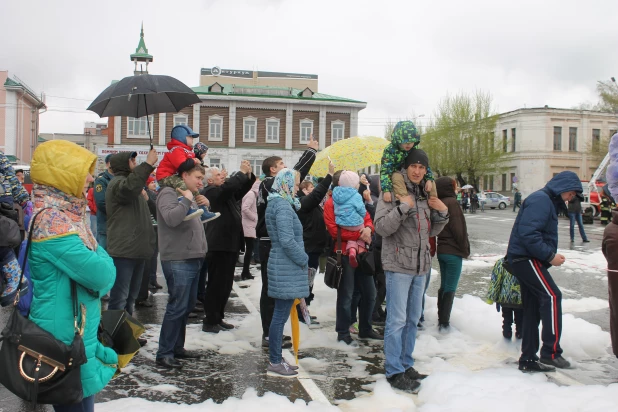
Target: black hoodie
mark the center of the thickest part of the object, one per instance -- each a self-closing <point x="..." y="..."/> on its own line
<point x="453" y="240"/>
<point x="129" y="227"/>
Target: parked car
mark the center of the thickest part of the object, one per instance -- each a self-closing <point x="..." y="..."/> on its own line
<point x="495" y="200"/>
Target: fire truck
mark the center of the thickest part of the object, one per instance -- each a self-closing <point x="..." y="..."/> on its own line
<point x="593" y="187"/>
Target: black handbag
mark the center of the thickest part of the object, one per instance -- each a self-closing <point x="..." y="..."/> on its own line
<point x="35" y="365"/>
<point x="334" y="270"/>
<point x="367" y="262"/>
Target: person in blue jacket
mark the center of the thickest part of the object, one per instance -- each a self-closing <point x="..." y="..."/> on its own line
<point x="531" y="252"/>
<point x="288" y="263"/>
<point x="100" y="187"/>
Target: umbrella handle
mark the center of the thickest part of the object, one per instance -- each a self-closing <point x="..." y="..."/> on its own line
<point x="148" y="121"/>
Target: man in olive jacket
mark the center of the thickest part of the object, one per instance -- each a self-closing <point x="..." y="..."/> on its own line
<point x="130" y="235"/>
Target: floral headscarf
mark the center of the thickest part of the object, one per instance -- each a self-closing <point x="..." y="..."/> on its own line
<point x="283" y="187"/>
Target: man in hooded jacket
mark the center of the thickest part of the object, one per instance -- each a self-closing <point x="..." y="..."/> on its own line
<point x="531" y="252"/>
<point x="130" y="236"/>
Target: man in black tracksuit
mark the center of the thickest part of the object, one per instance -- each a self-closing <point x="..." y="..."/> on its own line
<point x="224" y="236"/>
<point x="271" y="166"/>
<point x="531" y="251"/>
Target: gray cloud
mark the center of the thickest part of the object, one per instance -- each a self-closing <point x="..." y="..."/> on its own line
<point x="399" y="56"/>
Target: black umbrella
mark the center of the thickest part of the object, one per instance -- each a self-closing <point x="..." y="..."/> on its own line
<point x="138" y="96"/>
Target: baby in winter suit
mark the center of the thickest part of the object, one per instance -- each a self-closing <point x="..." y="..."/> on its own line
<point x="350" y="211"/>
<point x="404" y="138"/>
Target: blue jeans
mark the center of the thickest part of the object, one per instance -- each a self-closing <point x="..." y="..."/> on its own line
<point x="422" y="319"/>
<point x="404" y="298"/>
<point x="86" y="405"/>
<point x="450" y="271"/>
<point x="102" y="240"/>
<point x="128" y="282"/>
<point x="354" y="279"/>
<point x="577" y="217"/>
<point x="182" y="277"/>
<point x="93" y="224"/>
<point x="275" y="333"/>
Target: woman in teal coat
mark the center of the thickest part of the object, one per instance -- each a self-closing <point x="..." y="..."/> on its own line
<point x="64" y="248"/>
<point x="288" y="276"/>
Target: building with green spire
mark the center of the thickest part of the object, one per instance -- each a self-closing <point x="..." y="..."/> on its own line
<point x="141" y="55"/>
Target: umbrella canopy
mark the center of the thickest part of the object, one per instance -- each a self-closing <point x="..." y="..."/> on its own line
<point x="138" y="96"/>
<point x="352" y="154"/>
<point x="467" y="187"/>
<point x="123" y="329"/>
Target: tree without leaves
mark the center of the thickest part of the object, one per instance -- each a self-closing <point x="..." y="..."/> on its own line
<point x="460" y="139"/>
<point x="608" y="95"/>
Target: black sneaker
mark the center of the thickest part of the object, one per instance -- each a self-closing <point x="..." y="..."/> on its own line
<point x="372" y="335"/>
<point x="349" y="341"/>
<point x="285" y="344"/>
<point x="558" y="362"/>
<point x="169" y="363"/>
<point x="187" y="354"/>
<point x="226" y="325"/>
<point x="286" y="338"/>
<point x="143" y="304"/>
<point x="586" y="241"/>
<point x="414" y="375"/>
<point x="403" y="383"/>
<point x="535" y="366"/>
<point x="211" y="328"/>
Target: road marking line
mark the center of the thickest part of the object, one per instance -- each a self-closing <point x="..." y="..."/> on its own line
<point x="310" y="386"/>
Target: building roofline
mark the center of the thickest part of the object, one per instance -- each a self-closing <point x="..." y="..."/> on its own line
<point x="281" y="99"/>
<point x="554" y="109"/>
<point x="14" y="85"/>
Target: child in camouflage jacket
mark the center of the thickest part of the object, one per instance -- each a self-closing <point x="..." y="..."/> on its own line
<point x="404" y="138"/>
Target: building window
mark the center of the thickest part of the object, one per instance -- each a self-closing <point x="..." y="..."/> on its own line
<point x="491" y="183"/>
<point x="272" y="131"/>
<point x="257" y="166"/>
<point x="138" y="128"/>
<point x="503" y="182"/>
<point x="306" y="130"/>
<point x="572" y="139"/>
<point x="181" y="120"/>
<point x="504" y="140"/>
<point x="612" y="132"/>
<point x="557" y="138"/>
<point x="215" y="162"/>
<point x="596" y="139"/>
<point x="337" y="131"/>
<point x="215" y="128"/>
<point x="249" y="129"/>
<point x="513" y="139"/>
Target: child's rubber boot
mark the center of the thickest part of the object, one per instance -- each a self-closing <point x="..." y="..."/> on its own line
<point x="207" y="216"/>
<point x="192" y="213"/>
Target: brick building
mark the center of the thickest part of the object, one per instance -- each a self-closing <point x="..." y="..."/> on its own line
<point x="247" y="115"/>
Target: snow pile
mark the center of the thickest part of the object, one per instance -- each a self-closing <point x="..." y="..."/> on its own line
<point x="583" y="305"/>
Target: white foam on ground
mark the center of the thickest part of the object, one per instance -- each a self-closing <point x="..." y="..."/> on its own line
<point x="583" y="305"/>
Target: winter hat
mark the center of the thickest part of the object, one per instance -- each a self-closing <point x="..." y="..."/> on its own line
<point x="109" y="156"/>
<point x="417" y="156"/>
<point x="150" y="180"/>
<point x="199" y="149"/>
<point x="181" y="132"/>
<point x="349" y="179"/>
<point x="405" y="132"/>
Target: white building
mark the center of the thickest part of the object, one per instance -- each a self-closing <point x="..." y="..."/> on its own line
<point x="546" y="141"/>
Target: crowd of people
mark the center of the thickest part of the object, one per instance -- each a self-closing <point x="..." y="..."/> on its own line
<point x="197" y="220"/>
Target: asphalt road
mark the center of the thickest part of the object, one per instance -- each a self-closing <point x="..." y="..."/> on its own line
<point x="219" y="376"/>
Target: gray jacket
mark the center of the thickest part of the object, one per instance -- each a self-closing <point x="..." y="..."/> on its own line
<point x="406" y="231"/>
<point x="178" y="239"/>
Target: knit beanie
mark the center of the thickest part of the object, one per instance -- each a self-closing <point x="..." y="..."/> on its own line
<point x="349" y="179"/>
<point x="417" y="156"/>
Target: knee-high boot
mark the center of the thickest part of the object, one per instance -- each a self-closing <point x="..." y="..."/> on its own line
<point x="444" y="311"/>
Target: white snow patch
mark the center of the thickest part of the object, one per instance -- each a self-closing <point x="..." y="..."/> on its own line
<point x="583" y="305"/>
<point x="165" y="388"/>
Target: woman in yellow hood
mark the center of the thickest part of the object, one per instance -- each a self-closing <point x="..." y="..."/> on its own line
<point x="64" y="248"/>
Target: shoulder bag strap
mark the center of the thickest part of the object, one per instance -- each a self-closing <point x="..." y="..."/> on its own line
<point x="338" y="250"/>
<point x="25" y="262"/>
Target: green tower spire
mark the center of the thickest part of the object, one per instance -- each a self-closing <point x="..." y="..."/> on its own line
<point x="141" y="54"/>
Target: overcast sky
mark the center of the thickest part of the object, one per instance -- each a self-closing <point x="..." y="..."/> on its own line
<point x="401" y="57"/>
